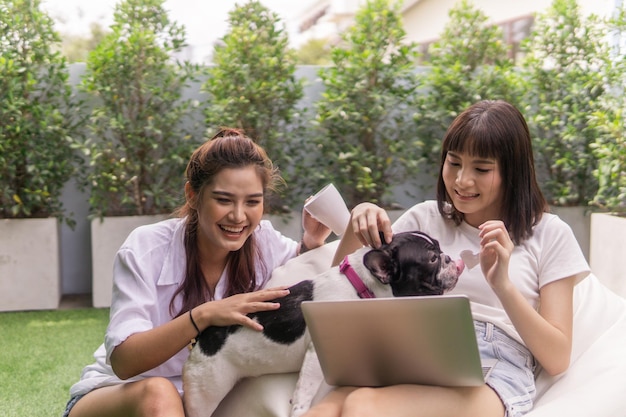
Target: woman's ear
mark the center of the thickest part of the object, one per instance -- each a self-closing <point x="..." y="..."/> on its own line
<point x="190" y="196"/>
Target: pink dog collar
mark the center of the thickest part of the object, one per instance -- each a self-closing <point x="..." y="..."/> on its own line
<point x="346" y="269"/>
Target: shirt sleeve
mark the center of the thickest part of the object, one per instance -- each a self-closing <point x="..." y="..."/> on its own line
<point x="558" y="252"/>
<point x="275" y="248"/>
<point x="417" y="217"/>
<point x="133" y="302"/>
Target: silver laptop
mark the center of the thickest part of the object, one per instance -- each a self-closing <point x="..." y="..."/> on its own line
<point x="388" y="341"/>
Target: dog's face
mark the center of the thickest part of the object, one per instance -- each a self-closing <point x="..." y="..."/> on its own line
<point x="413" y="264"/>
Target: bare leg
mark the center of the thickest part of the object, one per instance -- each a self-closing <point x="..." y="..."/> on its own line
<point x="154" y="397"/>
<point x="331" y="404"/>
<point x="410" y="401"/>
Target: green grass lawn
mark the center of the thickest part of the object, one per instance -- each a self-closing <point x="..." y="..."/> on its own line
<point x="42" y="354"/>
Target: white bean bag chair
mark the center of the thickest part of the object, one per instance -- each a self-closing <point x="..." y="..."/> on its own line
<point x="594" y="385"/>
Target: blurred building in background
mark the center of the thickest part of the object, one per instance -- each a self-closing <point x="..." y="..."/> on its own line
<point x="424" y="20"/>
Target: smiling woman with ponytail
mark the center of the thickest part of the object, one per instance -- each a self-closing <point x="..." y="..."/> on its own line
<point x="206" y="266"/>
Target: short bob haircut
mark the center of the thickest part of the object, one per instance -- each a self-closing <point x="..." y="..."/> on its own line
<point x="497" y="130"/>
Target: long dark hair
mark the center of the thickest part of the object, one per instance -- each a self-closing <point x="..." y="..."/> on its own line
<point x="496" y="129"/>
<point x="229" y="148"/>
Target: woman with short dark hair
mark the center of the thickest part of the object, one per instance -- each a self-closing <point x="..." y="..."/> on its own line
<point x="489" y="206"/>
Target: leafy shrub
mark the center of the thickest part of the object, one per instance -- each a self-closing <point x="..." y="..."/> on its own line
<point x="565" y="54"/>
<point x="138" y="146"/>
<point x="39" y="119"/>
<point x="609" y="148"/>
<point x="252" y="85"/>
<point x="467" y="64"/>
<point x="364" y="139"/>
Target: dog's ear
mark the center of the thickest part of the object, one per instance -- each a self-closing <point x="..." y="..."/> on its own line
<point x="380" y="264"/>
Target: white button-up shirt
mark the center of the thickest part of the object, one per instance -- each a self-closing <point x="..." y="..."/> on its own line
<point x="148" y="269"/>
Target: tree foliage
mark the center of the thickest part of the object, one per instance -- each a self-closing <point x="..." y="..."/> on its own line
<point x="609" y="147"/>
<point x="76" y="48"/>
<point x="564" y="58"/>
<point x="252" y="85"/>
<point x="39" y="119"/>
<point x="467" y="64"/>
<point x="315" y="52"/>
<point x="138" y="148"/>
<point x="363" y="119"/>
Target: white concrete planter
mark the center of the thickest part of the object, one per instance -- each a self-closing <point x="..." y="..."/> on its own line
<point x="30" y="277"/>
<point x="608" y="249"/>
<point x="107" y="235"/>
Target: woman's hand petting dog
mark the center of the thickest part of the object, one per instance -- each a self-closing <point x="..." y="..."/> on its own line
<point x="234" y="310"/>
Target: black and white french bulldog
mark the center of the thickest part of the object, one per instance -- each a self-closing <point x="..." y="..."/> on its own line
<point x="412" y="264"/>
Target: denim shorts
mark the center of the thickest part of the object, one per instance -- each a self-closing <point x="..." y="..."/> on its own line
<point x="70" y="404"/>
<point x="508" y="367"/>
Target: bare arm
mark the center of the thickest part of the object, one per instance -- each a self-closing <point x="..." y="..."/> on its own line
<point x="348" y="244"/>
<point x="143" y="351"/>
<point x="547" y="333"/>
<point x="366" y="221"/>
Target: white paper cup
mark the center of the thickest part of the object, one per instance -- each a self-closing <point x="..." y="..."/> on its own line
<point x="329" y="208"/>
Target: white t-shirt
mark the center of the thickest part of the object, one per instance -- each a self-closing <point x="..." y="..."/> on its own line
<point x="148" y="269"/>
<point x="552" y="253"/>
